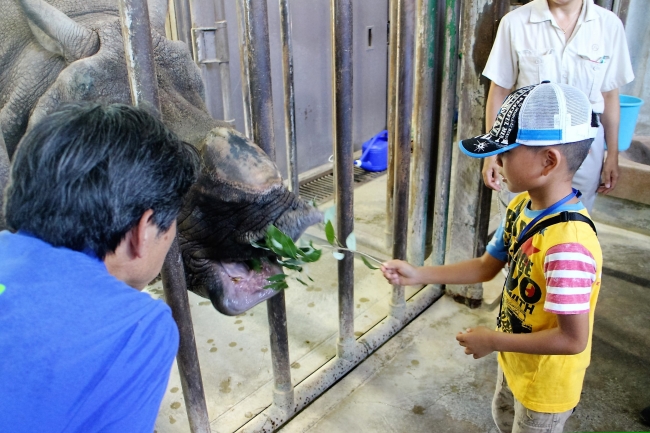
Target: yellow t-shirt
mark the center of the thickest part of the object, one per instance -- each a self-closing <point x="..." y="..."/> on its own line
<point x="557" y="271"/>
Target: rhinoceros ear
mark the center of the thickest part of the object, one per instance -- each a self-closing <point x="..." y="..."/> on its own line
<point x="158" y="14"/>
<point x="58" y="33"/>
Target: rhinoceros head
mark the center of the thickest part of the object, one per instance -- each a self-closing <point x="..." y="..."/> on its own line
<point x="239" y="192"/>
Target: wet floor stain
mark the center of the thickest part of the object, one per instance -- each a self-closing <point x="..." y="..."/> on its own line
<point x="224" y="386"/>
<point x="364" y="300"/>
<point x="241" y="349"/>
<point x="174" y="389"/>
<point x="415" y="363"/>
<point x="307" y="342"/>
<point x="205" y="303"/>
<point x="264" y="349"/>
<point x="295" y="365"/>
<point x="311" y="304"/>
<point x="213" y="349"/>
<point x="171" y="419"/>
<point x="252" y="314"/>
<point x="175" y="405"/>
<point x="418" y="410"/>
<point x="358" y="334"/>
<point x="358" y="305"/>
<point x="310" y="289"/>
<point x="241" y="328"/>
<point x="237" y="322"/>
<point x="211" y="340"/>
<point x="232" y="344"/>
<point x="317" y="289"/>
<point x="248" y="415"/>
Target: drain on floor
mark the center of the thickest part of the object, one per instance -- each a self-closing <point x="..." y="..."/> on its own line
<point x="322" y="189"/>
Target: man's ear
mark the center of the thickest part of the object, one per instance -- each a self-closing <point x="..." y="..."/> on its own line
<point x="551" y="160"/>
<point x="141" y="233"/>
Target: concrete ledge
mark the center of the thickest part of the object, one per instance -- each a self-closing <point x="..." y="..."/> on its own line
<point x="634" y="169"/>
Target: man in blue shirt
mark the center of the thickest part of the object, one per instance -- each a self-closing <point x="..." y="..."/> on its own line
<point x="92" y="202"/>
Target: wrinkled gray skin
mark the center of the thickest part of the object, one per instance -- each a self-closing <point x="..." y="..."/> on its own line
<point x="72" y="50"/>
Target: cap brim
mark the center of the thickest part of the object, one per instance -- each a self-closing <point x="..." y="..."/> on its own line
<point x="482" y="147"/>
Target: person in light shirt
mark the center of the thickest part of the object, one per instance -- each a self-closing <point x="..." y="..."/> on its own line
<point x="573" y="42"/>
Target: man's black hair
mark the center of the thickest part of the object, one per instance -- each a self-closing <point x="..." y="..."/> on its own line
<point x="575" y="153"/>
<point x="84" y="176"/>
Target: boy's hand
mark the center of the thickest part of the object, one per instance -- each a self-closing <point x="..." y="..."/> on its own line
<point x="490" y="173"/>
<point x="476" y="341"/>
<point x="400" y="273"/>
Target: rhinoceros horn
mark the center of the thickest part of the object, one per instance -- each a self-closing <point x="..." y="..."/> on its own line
<point x="58" y="33"/>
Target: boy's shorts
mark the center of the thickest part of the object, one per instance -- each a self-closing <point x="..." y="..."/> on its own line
<point x="511" y="416"/>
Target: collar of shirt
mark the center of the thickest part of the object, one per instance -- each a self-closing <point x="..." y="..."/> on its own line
<point x="539" y="12"/>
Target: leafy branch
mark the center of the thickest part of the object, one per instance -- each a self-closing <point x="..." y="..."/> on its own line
<point x="294" y="258"/>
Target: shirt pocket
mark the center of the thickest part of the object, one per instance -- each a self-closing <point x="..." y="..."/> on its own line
<point x="535" y="66"/>
<point x="530" y="67"/>
<point x="591" y="73"/>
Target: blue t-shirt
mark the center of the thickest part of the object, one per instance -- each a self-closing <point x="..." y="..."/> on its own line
<point x="80" y="351"/>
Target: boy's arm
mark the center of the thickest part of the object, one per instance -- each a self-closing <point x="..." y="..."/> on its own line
<point x="569" y="338"/>
<point x="472" y="271"/>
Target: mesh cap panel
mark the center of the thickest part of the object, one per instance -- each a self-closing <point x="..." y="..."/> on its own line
<point x="542" y="111"/>
<point x="575" y="105"/>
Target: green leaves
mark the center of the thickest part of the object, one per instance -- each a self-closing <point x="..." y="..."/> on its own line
<point x="294" y="258"/>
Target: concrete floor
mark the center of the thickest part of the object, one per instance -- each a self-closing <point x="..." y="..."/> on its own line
<point x="420" y="380"/>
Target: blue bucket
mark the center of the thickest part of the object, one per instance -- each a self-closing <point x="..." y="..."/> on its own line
<point x="630" y="107"/>
<point x="374" y="153"/>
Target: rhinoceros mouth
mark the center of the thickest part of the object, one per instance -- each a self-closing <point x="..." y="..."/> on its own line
<point x="241" y="286"/>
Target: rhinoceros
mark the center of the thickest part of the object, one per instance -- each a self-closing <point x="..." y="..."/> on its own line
<point x="58" y="51"/>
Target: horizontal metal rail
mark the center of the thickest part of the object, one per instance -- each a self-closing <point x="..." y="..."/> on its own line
<point x="322" y="379"/>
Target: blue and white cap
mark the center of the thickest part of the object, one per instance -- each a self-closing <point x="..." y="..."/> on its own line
<point x="539" y="115"/>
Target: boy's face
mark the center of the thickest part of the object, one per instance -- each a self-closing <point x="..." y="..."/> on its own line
<point x="518" y="167"/>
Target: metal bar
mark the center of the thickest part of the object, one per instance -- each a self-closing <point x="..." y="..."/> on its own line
<point x="393" y="31"/>
<point x="622" y="9"/>
<point x="184" y="21"/>
<point x="318" y="382"/>
<point x="424" y="106"/>
<point x="607" y="4"/>
<point x="243" y="67"/>
<point x="256" y="39"/>
<point x="223" y="54"/>
<point x="445" y="135"/>
<point x="138" y="48"/>
<point x="289" y="98"/>
<point x="403" y="143"/>
<point x="4" y="177"/>
<point x="343" y="164"/>
<point x="175" y="289"/>
<point x="283" y="390"/>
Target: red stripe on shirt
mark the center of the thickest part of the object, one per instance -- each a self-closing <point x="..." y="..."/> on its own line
<point x="577" y="280"/>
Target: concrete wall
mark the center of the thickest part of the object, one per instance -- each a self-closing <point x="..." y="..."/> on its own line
<point x="311" y="29"/>
<point x="638" y="38"/>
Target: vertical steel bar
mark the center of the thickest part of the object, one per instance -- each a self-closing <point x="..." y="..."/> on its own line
<point x="4" y="178"/>
<point x="283" y="391"/>
<point x="445" y="137"/>
<point x="403" y="145"/>
<point x="622" y="9"/>
<point x="256" y="39"/>
<point x="243" y="66"/>
<point x="184" y="21"/>
<point x="424" y="106"/>
<point x="223" y="54"/>
<point x="607" y="4"/>
<point x="393" y="32"/>
<point x="136" y="30"/>
<point x="343" y="164"/>
<point x="289" y="98"/>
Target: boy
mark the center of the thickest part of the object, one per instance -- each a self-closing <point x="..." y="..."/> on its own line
<point x="541" y="136"/>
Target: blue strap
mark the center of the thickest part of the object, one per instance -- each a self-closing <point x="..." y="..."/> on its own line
<point x="548" y="211"/>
